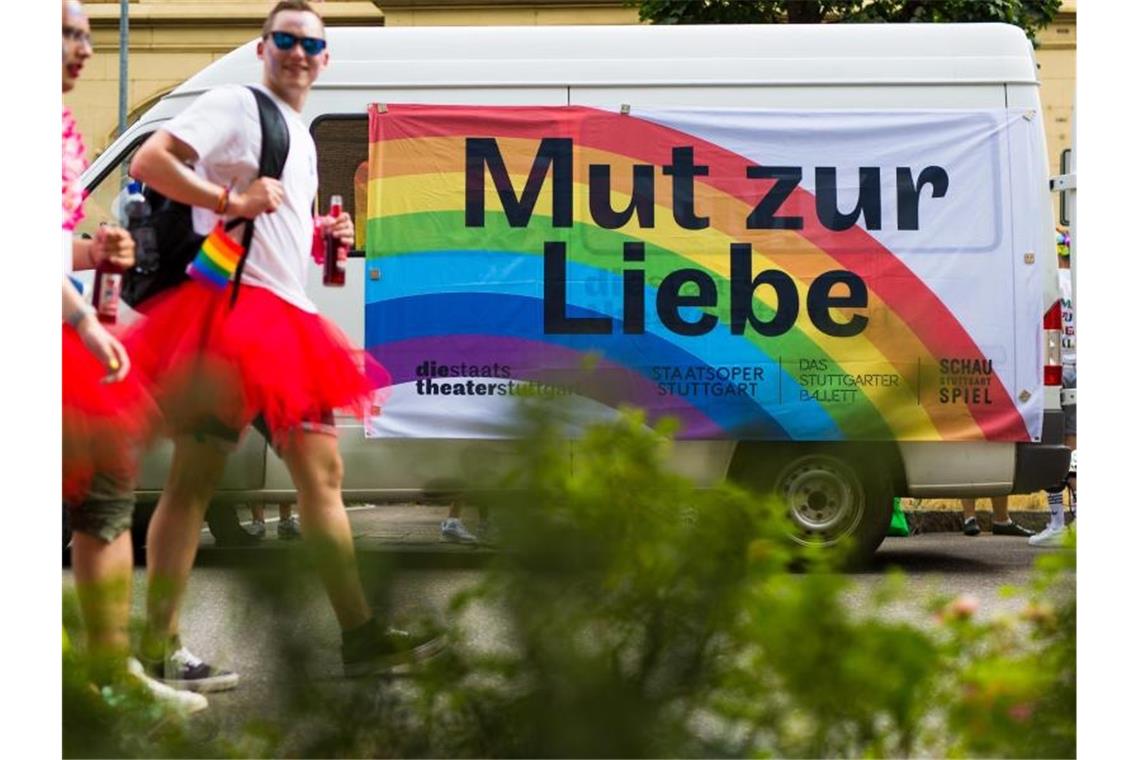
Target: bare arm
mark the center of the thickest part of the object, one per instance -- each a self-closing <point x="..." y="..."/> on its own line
<point x="164" y="162"/>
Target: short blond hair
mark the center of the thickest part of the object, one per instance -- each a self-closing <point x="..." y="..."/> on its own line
<point x="289" y="5"/>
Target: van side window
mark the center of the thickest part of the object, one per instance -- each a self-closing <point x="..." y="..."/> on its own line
<point x="342" y="165"/>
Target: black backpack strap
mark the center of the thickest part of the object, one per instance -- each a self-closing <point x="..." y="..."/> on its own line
<point x="271" y="163"/>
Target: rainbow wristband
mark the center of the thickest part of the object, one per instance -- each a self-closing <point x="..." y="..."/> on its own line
<point x="217" y="259"/>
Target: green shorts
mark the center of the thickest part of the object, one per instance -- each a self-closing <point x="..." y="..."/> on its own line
<point x="107" y="511"/>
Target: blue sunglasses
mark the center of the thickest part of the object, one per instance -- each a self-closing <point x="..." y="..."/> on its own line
<point x="285" y="42"/>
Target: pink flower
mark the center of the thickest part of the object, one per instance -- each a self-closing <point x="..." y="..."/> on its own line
<point x="961" y="608"/>
<point x="1021" y="712"/>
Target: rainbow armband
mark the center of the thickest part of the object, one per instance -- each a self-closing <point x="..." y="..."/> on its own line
<point x="217" y="259"/>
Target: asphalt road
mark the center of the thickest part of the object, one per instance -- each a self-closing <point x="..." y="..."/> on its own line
<point x="223" y="622"/>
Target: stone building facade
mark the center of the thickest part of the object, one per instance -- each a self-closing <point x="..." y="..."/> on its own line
<point x="172" y="39"/>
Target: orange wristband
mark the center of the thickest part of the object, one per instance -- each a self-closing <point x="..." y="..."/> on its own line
<point x="223" y="201"/>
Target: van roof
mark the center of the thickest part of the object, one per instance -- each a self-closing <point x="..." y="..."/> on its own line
<point x="644" y="55"/>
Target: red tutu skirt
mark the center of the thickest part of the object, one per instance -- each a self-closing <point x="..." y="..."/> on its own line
<point x="104" y="424"/>
<point x="262" y="356"/>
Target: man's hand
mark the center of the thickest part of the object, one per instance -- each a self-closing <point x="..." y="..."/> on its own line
<point x="114" y="245"/>
<point x="341" y="228"/>
<point x="264" y="195"/>
<point x="105" y="347"/>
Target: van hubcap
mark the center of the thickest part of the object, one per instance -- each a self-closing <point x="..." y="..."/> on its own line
<point x="824" y="498"/>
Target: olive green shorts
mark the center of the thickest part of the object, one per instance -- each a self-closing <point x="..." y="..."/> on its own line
<point x="107" y="511"/>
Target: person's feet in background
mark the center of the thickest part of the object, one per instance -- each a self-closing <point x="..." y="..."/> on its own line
<point x="288" y="525"/>
<point x="256" y="528"/>
<point x="1056" y="531"/>
<point x="452" y="529"/>
<point x="1002" y="524"/>
<point x="289" y="528"/>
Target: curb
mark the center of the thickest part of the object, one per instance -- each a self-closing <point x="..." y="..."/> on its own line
<point x="939" y="521"/>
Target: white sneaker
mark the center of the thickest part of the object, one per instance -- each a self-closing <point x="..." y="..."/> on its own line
<point x="289" y="528"/>
<point x="1049" y="537"/>
<point x="256" y="529"/>
<point x="452" y="529"/>
<point x="184" y="701"/>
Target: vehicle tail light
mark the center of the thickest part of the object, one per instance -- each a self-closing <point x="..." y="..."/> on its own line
<point x="1053" y="345"/>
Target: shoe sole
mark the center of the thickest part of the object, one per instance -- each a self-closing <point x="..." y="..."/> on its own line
<point x="396" y="664"/>
<point x="458" y="539"/>
<point x="180" y="704"/>
<point x="204" y="685"/>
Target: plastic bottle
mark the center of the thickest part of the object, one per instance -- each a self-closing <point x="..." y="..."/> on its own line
<point x="135" y="216"/>
<point x="334" y="267"/>
<point x="107" y="288"/>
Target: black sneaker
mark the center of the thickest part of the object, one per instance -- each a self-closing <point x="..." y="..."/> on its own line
<point x="180" y="669"/>
<point x="369" y="650"/>
<point x="971" y="527"/>
<point x="1011" y="529"/>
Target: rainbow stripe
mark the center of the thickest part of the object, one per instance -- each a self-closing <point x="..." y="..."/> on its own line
<point x="217" y="259"/>
<point x="455" y="295"/>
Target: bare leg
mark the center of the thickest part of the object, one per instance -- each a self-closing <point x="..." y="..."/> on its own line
<point x="1001" y="509"/>
<point x="257" y="511"/>
<point x="317" y="470"/>
<point x="172" y="539"/>
<point x="103" y="584"/>
<point x="968" y="508"/>
<point x="284" y="511"/>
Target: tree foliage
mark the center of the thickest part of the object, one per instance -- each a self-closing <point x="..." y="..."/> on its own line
<point x="1030" y="15"/>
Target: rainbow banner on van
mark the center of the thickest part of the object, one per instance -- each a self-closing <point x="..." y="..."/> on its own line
<point x="755" y="274"/>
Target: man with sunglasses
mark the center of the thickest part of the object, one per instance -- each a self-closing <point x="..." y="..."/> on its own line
<point x="266" y="358"/>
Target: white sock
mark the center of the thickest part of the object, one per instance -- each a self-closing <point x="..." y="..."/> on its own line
<point x="1056" y="511"/>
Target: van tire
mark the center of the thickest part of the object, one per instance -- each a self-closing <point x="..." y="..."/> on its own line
<point x="834" y="497"/>
<point x="225" y="527"/>
<point x="140" y="524"/>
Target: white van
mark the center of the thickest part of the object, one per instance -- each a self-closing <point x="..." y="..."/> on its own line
<point x="833" y="489"/>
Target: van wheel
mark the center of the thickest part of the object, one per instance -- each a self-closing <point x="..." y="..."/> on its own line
<point x="831" y="500"/>
<point x="140" y="522"/>
<point x="225" y="527"/>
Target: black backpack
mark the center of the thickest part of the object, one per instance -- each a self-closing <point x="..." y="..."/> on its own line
<point x="175" y="239"/>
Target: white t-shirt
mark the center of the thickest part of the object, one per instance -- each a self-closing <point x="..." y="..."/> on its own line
<point x="223" y="128"/>
<point x="1068" y="318"/>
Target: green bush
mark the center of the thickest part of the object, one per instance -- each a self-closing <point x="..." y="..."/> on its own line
<point x="646" y="617"/>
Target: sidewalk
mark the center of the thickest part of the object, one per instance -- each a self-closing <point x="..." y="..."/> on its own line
<point x="409" y="533"/>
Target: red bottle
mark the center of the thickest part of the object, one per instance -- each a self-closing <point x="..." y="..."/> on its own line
<point x="107" y="288"/>
<point x="334" y="267"/>
<point x="105" y="298"/>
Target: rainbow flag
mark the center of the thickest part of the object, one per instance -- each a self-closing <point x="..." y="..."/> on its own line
<point x="755" y="274"/>
<point x="217" y="259"/>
